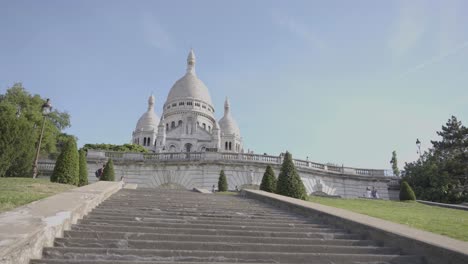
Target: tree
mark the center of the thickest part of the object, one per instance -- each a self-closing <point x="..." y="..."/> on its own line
<point x="406" y="193"/>
<point x="394" y="163"/>
<point x="269" y="180"/>
<point x="21" y="119"/>
<point x="122" y="148"/>
<point x="108" y="174"/>
<point x="222" y="182"/>
<point x="289" y="181"/>
<point x="66" y="168"/>
<point x="441" y="173"/>
<point x="83" y="171"/>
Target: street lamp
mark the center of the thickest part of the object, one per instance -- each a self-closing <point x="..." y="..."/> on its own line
<point x="46" y="109"/>
<point x="418" y="144"/>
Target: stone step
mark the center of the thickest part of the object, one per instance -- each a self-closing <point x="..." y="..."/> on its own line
<point x="175" y="208"/>
<point x="219" y="214"/>
<point x="191" y="231"/>
<point x="195" y="220"/>
<point x="236" y="218"/>
<point x="216" y="238"/>
<point x="228" y="226"/>
<point x="195" y="209"/>
<point x="222" y="256"/>
<point x="68" y="261"/>
<point x="219" y="246"/>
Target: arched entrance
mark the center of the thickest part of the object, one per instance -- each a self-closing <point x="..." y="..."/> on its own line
<point x="188" y="147"/>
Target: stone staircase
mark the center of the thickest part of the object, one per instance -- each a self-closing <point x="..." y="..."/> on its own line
<point x="177" y="226"/>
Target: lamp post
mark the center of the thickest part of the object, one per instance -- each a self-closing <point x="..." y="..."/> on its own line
<point x="418" y="144"/>
<point x="46" y="109"/>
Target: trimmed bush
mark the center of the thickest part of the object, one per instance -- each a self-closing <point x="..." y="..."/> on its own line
<point x="269" y="180"/>
<point x="108" y="174"/>
<point x="222" y="182"/>
<point x="289" y="182"/>
<point x="406" y="193"/>
<point x="67" y="165"/>
<point x="83" y="175"/>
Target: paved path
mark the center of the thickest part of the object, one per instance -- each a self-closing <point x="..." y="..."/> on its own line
<point x="169" y="226"/>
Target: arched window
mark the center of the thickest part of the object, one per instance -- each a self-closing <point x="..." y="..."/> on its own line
<point x="204" y="126"/>
<point x="226" y="145"/>
<point x="167" y="127"/>
<point x="173" y="124"/>
<point x="230" y="146"/>
<point x="180" y="123"/>
<point x="209" y="128"/>
<point x="144" y="141"/>
<point x="148" y="141"/>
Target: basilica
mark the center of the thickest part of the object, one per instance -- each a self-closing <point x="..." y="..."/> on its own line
<point x="188" y="122"/>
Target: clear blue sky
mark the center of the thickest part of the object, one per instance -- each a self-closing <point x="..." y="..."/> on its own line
<point x="345" y="82"/>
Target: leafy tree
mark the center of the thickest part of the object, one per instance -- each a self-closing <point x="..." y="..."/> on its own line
<point x="441" y="174"/>
<point x="222" y="182"/>
<point x="394" y="163"/>
<point x="108" y="174"/>
<point x="83" y="175"/>
<point x="121" y="148"/>
<point x="21" y="120"/>
<point x="16" y="143"/>
<point x="269" y="180"/>
<point x="289" y="181"/>
<point x="406" y="193"/>
<point x="67" y="165"/>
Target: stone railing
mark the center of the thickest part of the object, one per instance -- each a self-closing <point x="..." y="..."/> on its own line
<point x="46" y="165"/>
<point x="229" y="156"/>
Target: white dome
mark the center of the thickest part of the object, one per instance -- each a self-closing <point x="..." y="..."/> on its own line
<point x="189" y="86"/>
<point x="149" y="120"/>
<point x="227" y="123"/>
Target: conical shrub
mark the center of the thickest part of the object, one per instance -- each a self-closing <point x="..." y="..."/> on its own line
<point x="222" y="182"/>
<point x="83" y="175"/>
<point x="108" y="174"/>
<point x="66" y="168"/>
<point x="269" y="180"/>
<point x="406" y="193"/>
<point x="289" y="181"/>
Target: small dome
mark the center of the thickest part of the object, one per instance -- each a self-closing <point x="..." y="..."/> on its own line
<point x="227" y="123"/>
<point x="149" y="120"/>
<point x="189" y="86"/>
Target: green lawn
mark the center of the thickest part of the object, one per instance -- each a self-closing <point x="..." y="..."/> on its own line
<point x="15" y="192"/>
<point x="444" y="221"/>
<point x="227" y="193"/>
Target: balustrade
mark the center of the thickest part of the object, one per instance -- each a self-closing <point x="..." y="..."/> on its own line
<point x="229" y="156"/>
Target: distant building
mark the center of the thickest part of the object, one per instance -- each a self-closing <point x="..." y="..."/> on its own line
<point x="188" y="123"/>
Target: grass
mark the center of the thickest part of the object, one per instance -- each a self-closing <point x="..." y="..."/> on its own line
<point x="15" y="192"/>
<point x="448" y="222"/>
<point x="227" y="193"/>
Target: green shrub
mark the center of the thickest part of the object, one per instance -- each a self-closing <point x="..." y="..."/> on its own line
<point x="289" y="181"/>
<point x="67" y="165"/>
<point x="222" y="182"/>
<point x="108" y="174"/>
<point x="406" y="193"/>
<point x="268" y="181"/>
<point x="83" y="175"/>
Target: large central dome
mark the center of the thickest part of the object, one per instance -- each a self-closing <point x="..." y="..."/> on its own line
<point x="189" y="86"/>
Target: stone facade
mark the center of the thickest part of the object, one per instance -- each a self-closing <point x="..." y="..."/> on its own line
<point x="201" y="170"/>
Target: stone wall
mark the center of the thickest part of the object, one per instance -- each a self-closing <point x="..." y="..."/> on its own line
<point x="202" y="171"/>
